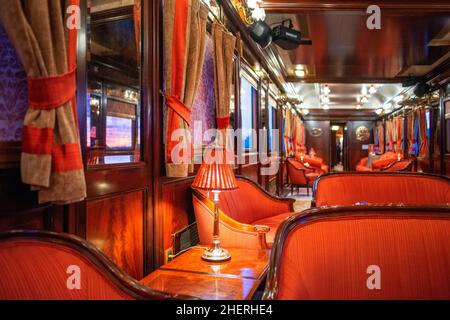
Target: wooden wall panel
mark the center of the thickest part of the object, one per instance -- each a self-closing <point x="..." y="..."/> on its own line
<point x="175" y="208"/>
<point x="354" y="148"/>
<point x="115" y="225"/>
<point x="250" y="171"/>
<point x="321" y="144"/>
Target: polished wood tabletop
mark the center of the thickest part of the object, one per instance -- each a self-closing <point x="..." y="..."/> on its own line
<point x="188" y="274"/>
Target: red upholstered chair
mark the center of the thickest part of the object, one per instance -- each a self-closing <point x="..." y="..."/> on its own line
<point x="338" y="254"/>
<point x="315" y="163"/>
<point x="300" y="175"/>
<point x="36" y="265"/>
<point x="249" y="216"/>
<point x="381" y="188"/>
<point x="385" y="161"/>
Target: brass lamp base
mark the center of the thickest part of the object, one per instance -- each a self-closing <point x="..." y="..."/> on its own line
<point x="216" y="254"/>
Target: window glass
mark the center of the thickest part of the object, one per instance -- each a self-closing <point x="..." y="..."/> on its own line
<point x="248" y="94"/>
<point x="113" y="56"/>
<point x="271" y="122"/>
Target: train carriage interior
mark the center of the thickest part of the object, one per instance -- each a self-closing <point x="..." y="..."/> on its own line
<point x="254" y="150"/>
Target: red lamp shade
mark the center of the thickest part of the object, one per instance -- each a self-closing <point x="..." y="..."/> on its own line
<point x="215" y="176"/>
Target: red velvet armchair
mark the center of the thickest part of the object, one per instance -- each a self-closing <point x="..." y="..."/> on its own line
<point x="316" y="163"/>
<point x="381" y="188"/>
<point x="300" y="175"/>
<point x="385" y="161"/>
<point x="249" y="216"/>
<point x="37" y="265"/>
<point x="362" y="253"/>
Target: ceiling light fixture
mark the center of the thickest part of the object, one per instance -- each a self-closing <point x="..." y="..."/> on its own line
<point x="372" y="89"/>
<point x="326" y="90"/>
<point x="364" y="100"/>
<point x="326" y="107"/>
<point x="305" y="112"/>
<point x="379" y="111"/>
<point x="300" y="72"/>
<point x="399" y="98"/>
<point x="364" y="90"/>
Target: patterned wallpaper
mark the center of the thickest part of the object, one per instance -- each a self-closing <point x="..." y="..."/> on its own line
<point x="204" y="109"/>
<point x="13" y="91"/>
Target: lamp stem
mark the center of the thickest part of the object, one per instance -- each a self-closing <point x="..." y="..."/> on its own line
<point x="216" y="234"/>
<point x="216" y="253"/>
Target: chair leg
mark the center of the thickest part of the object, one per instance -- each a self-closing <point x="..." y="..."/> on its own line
<point x="292" y="189"/>
<point x="307" y="189"/>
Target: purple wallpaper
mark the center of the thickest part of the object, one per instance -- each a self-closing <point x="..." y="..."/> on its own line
<point x="13" y="91"/>
<point x="204" y="108"/>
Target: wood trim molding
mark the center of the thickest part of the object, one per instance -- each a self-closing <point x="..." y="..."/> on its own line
<point x="10" y="153"/>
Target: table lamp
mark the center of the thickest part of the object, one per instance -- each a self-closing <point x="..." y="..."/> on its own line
<point x="216" y="176"/>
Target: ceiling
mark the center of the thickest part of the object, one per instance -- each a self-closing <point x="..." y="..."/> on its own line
<point x="413" y="40"/>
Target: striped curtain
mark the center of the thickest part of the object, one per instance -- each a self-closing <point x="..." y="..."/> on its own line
<point x="400" y="128"/>
<point x="423" y="144"/>
<point x="287" y="132"/>
<point x="184" y="47"/>
<point x="51" y="156"/>
<point x="224" y="45"/>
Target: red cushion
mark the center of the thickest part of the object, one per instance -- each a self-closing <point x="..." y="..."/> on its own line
<point x="273" y="223"/>
<point x="329" y="259"/>
<point x="312" y="176"/>
<point x="379" y="164"/>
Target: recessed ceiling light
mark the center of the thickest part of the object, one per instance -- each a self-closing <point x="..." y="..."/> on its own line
<point x="372" y="89"/>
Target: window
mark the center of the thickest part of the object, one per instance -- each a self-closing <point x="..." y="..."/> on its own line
<point x="248" y="104"/>
<point x="271" y="123"/>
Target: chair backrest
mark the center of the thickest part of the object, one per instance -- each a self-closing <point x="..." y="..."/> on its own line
<point x="362" y="252"/>
<point x="296" y="172"/>
<point x="249" y="202"/>
<point x="402" y="165"/>
<point x="381" y="188"/>
<point x="37" y="265"/>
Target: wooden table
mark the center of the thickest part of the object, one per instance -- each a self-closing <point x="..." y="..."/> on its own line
<point x="188" y="274"/>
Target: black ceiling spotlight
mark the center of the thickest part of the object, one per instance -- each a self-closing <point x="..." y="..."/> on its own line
<point x="421" y="89"/>
<point x="261" y="33"/>
<point x="286" y="37"/>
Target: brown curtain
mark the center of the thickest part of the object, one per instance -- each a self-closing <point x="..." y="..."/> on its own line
<point x="224" y="45"/>
<point x="184" y="48"/>
<point x="51" y="157"/>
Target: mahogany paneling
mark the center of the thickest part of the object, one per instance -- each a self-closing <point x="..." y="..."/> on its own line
<point x="115" y="226"/>
<point x="250" y="171"/>
<point x="321" y="144"/>
<point x="354" y="148"/>
<point x="175" y="209"/>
